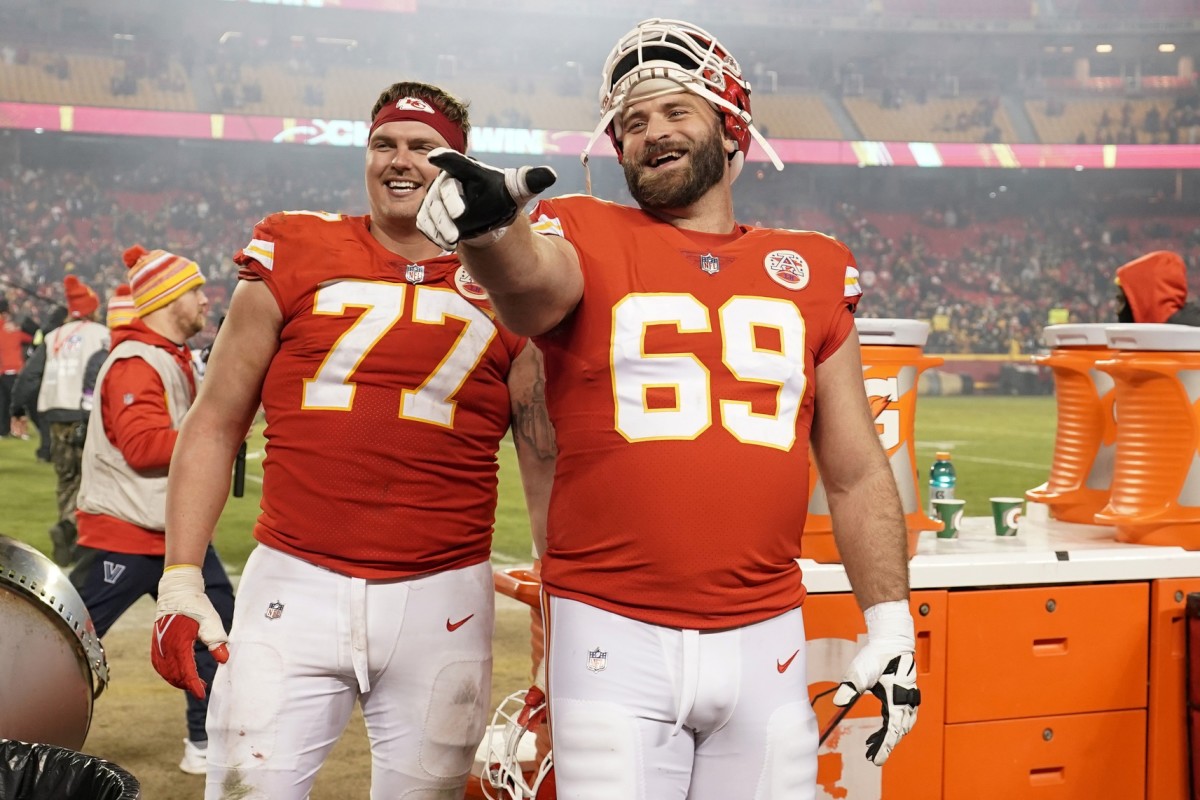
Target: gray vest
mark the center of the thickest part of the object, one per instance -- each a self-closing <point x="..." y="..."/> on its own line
<point x="110" y="486"/>
<point x="68" y="348"/>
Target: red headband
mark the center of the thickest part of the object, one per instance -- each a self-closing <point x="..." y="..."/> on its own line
<point x="417" y="110"/>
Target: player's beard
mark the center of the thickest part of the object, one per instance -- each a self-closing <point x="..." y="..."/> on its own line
<point x="678" y="188"/>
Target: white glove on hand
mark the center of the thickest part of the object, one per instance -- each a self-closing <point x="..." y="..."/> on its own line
<point x="885" y="666"/>
<point x="475" y="203"/>
<point x="184" y="614"/>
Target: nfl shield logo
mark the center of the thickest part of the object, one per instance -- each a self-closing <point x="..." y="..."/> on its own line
<point x="274" y="610"/>
<point x="597" y="660"/>
<point x="710" y="264"/>
<point x="414" y="273"/>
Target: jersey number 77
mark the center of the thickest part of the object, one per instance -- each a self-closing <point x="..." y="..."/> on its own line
<point x="332" y="387"/>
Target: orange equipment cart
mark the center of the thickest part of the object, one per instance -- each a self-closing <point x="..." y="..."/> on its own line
<point x="1155" y="495"/>
<point x="1085" y="437"/>
<point x="1051" y="664"/>
<point x="892" y="364"/>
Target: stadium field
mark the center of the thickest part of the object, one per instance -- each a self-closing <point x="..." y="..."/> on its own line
<point x="1000" y="446"/>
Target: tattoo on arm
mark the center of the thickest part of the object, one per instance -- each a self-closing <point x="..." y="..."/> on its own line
<point x="531" y="420"/>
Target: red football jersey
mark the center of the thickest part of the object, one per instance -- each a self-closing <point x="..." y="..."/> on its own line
<point x="385" y="404"/>
<point x="681" y="393"/>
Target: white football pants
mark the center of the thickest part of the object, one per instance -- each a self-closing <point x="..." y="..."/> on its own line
<point x="306" y="643"/>
<point x="643" y="712"/>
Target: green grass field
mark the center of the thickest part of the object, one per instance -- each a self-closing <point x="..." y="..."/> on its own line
<point x="27" y="503"/>
<point x="1001" y="446"/>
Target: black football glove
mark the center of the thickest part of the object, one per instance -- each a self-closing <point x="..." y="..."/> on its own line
<point x="896" y="689"/>
<point x="474" y="203"/>
<point x="885" y="667"/>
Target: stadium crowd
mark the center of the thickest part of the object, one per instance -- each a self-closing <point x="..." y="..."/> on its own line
<point x="991" y="287"/>
<point x="54" y="223"/>
<point x="987" y="280"/>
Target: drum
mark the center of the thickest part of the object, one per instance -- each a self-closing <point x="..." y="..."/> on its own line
<point x="52" y="665"/>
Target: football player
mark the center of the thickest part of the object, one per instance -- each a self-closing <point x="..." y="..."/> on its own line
<point x="689" y="361"/>
<point x="387" y="387"/>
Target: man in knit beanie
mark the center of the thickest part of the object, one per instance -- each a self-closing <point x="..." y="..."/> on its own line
<point x="159" y="278"/>
<point x="143" y="389"/>
<point x="58" y="366"/>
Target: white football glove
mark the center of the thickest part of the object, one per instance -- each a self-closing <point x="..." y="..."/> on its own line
<point x="184" y="614"/>
<point x="886" y="668"/>
<point x="475" y="203"/>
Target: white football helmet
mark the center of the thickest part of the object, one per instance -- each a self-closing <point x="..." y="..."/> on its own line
<point x="504" y="777"/>
<point x="671" y="54"/>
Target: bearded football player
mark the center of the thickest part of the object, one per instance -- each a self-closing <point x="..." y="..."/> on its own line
<point x="690" y="362"/>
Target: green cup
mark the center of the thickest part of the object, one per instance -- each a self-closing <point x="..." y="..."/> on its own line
<point x="950" y="512"/>
<point x="1007" y="513"/>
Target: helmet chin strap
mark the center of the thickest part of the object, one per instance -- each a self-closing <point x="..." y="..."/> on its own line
<point x="766" y="146"/>
<point x="591" y="142"/>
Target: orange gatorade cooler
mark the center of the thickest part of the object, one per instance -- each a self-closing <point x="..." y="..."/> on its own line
<point x="1156" y="474"/>
<point x="892" y="363"/>
<point x="1085" y="441"/>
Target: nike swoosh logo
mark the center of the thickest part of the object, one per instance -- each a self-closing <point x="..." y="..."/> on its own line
<point x="782" y="666"/>
<point x="160" y="630"/>
<point x="453" y="626"/>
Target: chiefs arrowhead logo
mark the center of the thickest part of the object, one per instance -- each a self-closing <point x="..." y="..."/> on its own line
<point x="413" y="104"/>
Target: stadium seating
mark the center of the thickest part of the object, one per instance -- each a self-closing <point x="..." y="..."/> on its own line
<point x="1085" y="115"/>
<point x="992" y="9"/>
<point x="522" y="102"/>
<point x="278" y="74"/>
<point x="89" y="80"/>
<point x="343" y="92"/>
<point x="937" y="120"/>
<point x="1126" y="8"/>
<point x="1024" y="9"/>
<point x="796" y="115"/>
